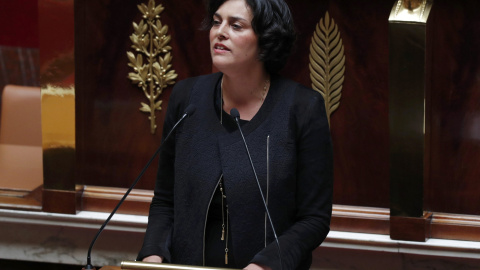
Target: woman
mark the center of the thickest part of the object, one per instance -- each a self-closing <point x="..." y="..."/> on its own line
<point x="207" y="209"/>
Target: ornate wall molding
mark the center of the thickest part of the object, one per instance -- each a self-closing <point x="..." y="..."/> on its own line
<point x="411" y="10"/>
<point x="150" y="39"/>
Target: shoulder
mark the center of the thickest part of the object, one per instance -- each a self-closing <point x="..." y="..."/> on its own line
<point x="189" y="83"/>
<point x="307" y="106"/>
<point x="300" y="94"/>
<point x="183" y="89"/>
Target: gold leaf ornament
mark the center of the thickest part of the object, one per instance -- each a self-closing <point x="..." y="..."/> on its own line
<point x="327" y="63"/>
<point x="150" y="40"/>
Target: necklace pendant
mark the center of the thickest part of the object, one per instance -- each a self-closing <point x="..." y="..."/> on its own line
<point x="223" y="234"/>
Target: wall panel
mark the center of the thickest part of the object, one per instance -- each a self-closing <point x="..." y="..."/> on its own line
<point x="453" y="183"/>
<point x="113" y="139"/>
<point x="113" y="136"/>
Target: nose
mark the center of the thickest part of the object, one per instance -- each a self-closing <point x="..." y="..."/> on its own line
<point x="221" y="31"/>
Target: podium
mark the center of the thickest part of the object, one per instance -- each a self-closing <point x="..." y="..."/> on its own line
<point x="134" y="265"/>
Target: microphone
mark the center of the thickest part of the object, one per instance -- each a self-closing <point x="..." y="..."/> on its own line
<point x="188" y="112"/>
<point x="236" y="115"/>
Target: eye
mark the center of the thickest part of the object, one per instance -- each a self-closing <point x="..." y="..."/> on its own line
<point x="236" y="26"/>
<point x="216" y="22"/>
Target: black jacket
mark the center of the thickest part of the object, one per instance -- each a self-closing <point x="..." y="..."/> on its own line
<point x="192" y="162"/>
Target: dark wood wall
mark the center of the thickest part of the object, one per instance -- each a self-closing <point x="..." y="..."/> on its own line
<point x="453" y="185"/>
<point x="113" y="139"/>
<point x="113" y="136"/>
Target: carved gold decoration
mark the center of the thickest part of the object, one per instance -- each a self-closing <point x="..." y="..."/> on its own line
<point x="150" y="39"/>
<point x="411" y="10"/>
<point x="327" y="63"/>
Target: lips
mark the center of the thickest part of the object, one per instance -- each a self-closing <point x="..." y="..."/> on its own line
<point x="220" y="47"/>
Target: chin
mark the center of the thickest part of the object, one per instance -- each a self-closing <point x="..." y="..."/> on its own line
<point x="222" y="65"/>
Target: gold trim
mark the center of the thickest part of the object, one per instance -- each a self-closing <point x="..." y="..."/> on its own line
<point x="134" y="265"/>
<point x="52" y="90"/>
<point x="150" y="39"/>
<point x="411" y="10"/>
<point x="327" y="63"/>
<point x="58" y="117"/>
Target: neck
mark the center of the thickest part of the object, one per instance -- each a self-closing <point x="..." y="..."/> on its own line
<point x="244" y="88"/>
<point x="246" y="93"/>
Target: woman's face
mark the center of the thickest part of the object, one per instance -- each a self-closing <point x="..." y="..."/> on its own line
<point x="233" y="43"/>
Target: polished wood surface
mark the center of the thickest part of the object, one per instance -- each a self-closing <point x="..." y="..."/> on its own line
<point x="453" y="185"/>
<point x="416" y="229"/>
<point x="104" y="199"/>
<point x="113" y="136"/>
<point x="455" y="226"/>
<point x="359" y="127"/>
<point x="57" y="71"/>
<point x="114" y="140"/>
<point x="408" y="71"/>
<point x="360" y="219"/>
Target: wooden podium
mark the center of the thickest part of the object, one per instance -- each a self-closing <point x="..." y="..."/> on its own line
<point x="133" y="265"/>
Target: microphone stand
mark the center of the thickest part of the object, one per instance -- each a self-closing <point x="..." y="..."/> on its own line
<point x="236" y="115"/>
<point x="188" y="111"/>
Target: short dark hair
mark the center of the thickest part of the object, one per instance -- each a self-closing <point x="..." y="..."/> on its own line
<point x="273" y="23"/>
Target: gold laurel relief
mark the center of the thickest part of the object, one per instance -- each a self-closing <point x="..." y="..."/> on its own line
<point x="150" y="40"/>
<point x="327" y="63"/>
